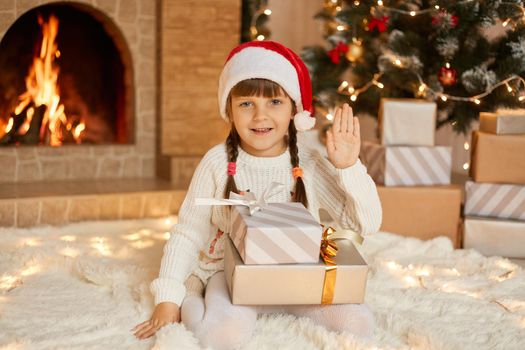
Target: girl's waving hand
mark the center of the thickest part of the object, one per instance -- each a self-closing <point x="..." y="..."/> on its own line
<point x="343" y="140"/>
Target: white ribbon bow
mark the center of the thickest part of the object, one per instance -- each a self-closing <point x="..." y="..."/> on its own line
<point x="248" y="199"/>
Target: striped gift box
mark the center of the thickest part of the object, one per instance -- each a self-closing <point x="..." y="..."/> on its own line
<point x="280" y="233"/>
<point x="407" y="166"/>
<point x="495" y="200"/>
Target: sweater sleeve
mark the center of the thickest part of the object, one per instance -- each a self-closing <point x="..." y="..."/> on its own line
<point x="187" y="238"/>
<point x="349" y="195"/>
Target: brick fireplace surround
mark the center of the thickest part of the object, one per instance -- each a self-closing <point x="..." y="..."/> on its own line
<point x="177" y="50"/>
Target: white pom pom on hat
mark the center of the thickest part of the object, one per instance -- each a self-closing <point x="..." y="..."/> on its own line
<point x="272" y="61"/>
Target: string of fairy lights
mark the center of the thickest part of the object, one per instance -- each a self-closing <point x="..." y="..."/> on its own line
<point x="254" y="32"/>
<point x="346" y="89"/>
<point x="514" y="84"/>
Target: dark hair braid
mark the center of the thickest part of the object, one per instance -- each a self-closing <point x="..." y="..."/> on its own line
<point x="232" y="144"/>
<point x="299" y="191"/>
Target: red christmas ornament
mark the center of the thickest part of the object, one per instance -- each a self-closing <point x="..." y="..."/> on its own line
<point x="379" y="23"/>
<point x="439" y="18"/>
<point x="335" y="53"/>
<point x="447" y="76"/>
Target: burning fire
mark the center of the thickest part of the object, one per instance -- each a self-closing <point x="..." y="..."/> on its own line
<point x="40" y="114"/>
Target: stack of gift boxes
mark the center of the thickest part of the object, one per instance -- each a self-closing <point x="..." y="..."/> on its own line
<point x="495" y="199"/>
<point x="412" y="173"/>
<point x="272" y="257"/>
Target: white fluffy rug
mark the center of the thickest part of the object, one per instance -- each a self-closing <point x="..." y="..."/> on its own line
<point x="84" y="286"/>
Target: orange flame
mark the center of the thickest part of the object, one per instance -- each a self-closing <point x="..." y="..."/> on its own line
<point x="42" y="89"/>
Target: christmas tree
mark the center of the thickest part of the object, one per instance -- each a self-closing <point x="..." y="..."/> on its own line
<point x="468" y="56"/>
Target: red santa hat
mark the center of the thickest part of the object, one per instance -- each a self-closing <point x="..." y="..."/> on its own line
<point x="272" y="61"/>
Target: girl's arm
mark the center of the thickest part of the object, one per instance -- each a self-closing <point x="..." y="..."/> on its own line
<point x="349" y="195"/>
<point x="342" y="184"/>
<point x="187" y="238"/>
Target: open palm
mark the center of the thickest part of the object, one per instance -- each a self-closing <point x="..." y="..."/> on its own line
<point x="343" y="140"/>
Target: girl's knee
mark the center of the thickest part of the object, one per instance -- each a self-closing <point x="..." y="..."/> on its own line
<point x="192" y="311"/>
<point x="228" y="330"/>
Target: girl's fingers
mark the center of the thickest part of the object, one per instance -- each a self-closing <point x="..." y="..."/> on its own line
<point x="336" y="126"/>
<point x="149" y="333"/>
<point x="140" y="326"/>
<point x="140" y="334"/>
<point x="356" y="127"/>
<point x="350" y="120"/>
<point x="344" y="119"/>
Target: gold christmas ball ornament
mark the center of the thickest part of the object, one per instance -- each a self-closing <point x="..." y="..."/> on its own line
<point x="355" y="51"/>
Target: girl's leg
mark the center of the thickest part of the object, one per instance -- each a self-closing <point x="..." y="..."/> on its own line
<point x="214" y="320"/>
<point x="353" y="318"/>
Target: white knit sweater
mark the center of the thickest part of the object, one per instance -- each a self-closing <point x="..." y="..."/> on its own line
<point x="348" y="195"/>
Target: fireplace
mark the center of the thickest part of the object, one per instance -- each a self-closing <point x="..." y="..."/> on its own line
<point x="95" y="64"/>
<point x="63" y="79"/>
<point x="177" y="44"/>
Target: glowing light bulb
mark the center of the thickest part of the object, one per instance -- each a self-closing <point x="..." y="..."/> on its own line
<point x="506" y="22"/>
<point x="521" y="98"/>
<point x="267" y="12"/>
<point x="329" y="117"/>
<point x="436" y="7"/>
<point x="340" y="28"/>
<point x="466" y="146"/>
<point x="422" y="87"/>
<point x="353" y="97"/>
<point x="260" y="37"/>
<point x="476" y="101"/>
<point x="380" y="85"/>
<point x="444" y="98"/>
<point x="379" y="2"/>
<point x="466" y="166"/>
<point x="412" y="13"/>
<point x="447" y="65"/>
<point x="397" y="62"/>
<point x="343" y="85"/>
<point x="351" y="89"/>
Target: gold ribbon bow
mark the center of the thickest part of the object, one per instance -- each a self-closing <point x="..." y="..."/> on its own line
<point x="328" y="253"/>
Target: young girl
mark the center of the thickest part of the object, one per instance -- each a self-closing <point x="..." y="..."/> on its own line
<point x="262" y="88"/>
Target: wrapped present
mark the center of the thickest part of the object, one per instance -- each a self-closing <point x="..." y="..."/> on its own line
<point x="495" y="200"/>
<point x="271" y="233"/>
<point x="495" y="237"/>
<point x="280" y="233"/>
<point x="340" y="282"/>
<point x="424" y="212"/>
<point x="498" y="158"/>
<point x="407" y="166"/>
<point x="408" y="122"/>
<point x="502" y="122"/>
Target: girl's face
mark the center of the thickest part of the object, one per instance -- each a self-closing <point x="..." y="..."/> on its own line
<point x="262" y="123"/>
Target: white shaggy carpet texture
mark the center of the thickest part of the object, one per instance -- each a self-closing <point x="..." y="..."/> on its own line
<point x="85" y="285"/>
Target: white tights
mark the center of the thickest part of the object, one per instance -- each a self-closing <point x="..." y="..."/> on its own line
<point x="219" y="324"/>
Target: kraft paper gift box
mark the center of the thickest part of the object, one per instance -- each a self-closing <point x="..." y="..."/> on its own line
<point x="495" y="237"/>
<point x="277" y="234"/>
<point x="289" y="284"/>
<point x="502" y="122"/>
<point x="498" y="158"/>
<point x="408" y="122"/>
<point x="495" y="200"/>
<point x="407" y="166"/>
<point x="424" y="212"/>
